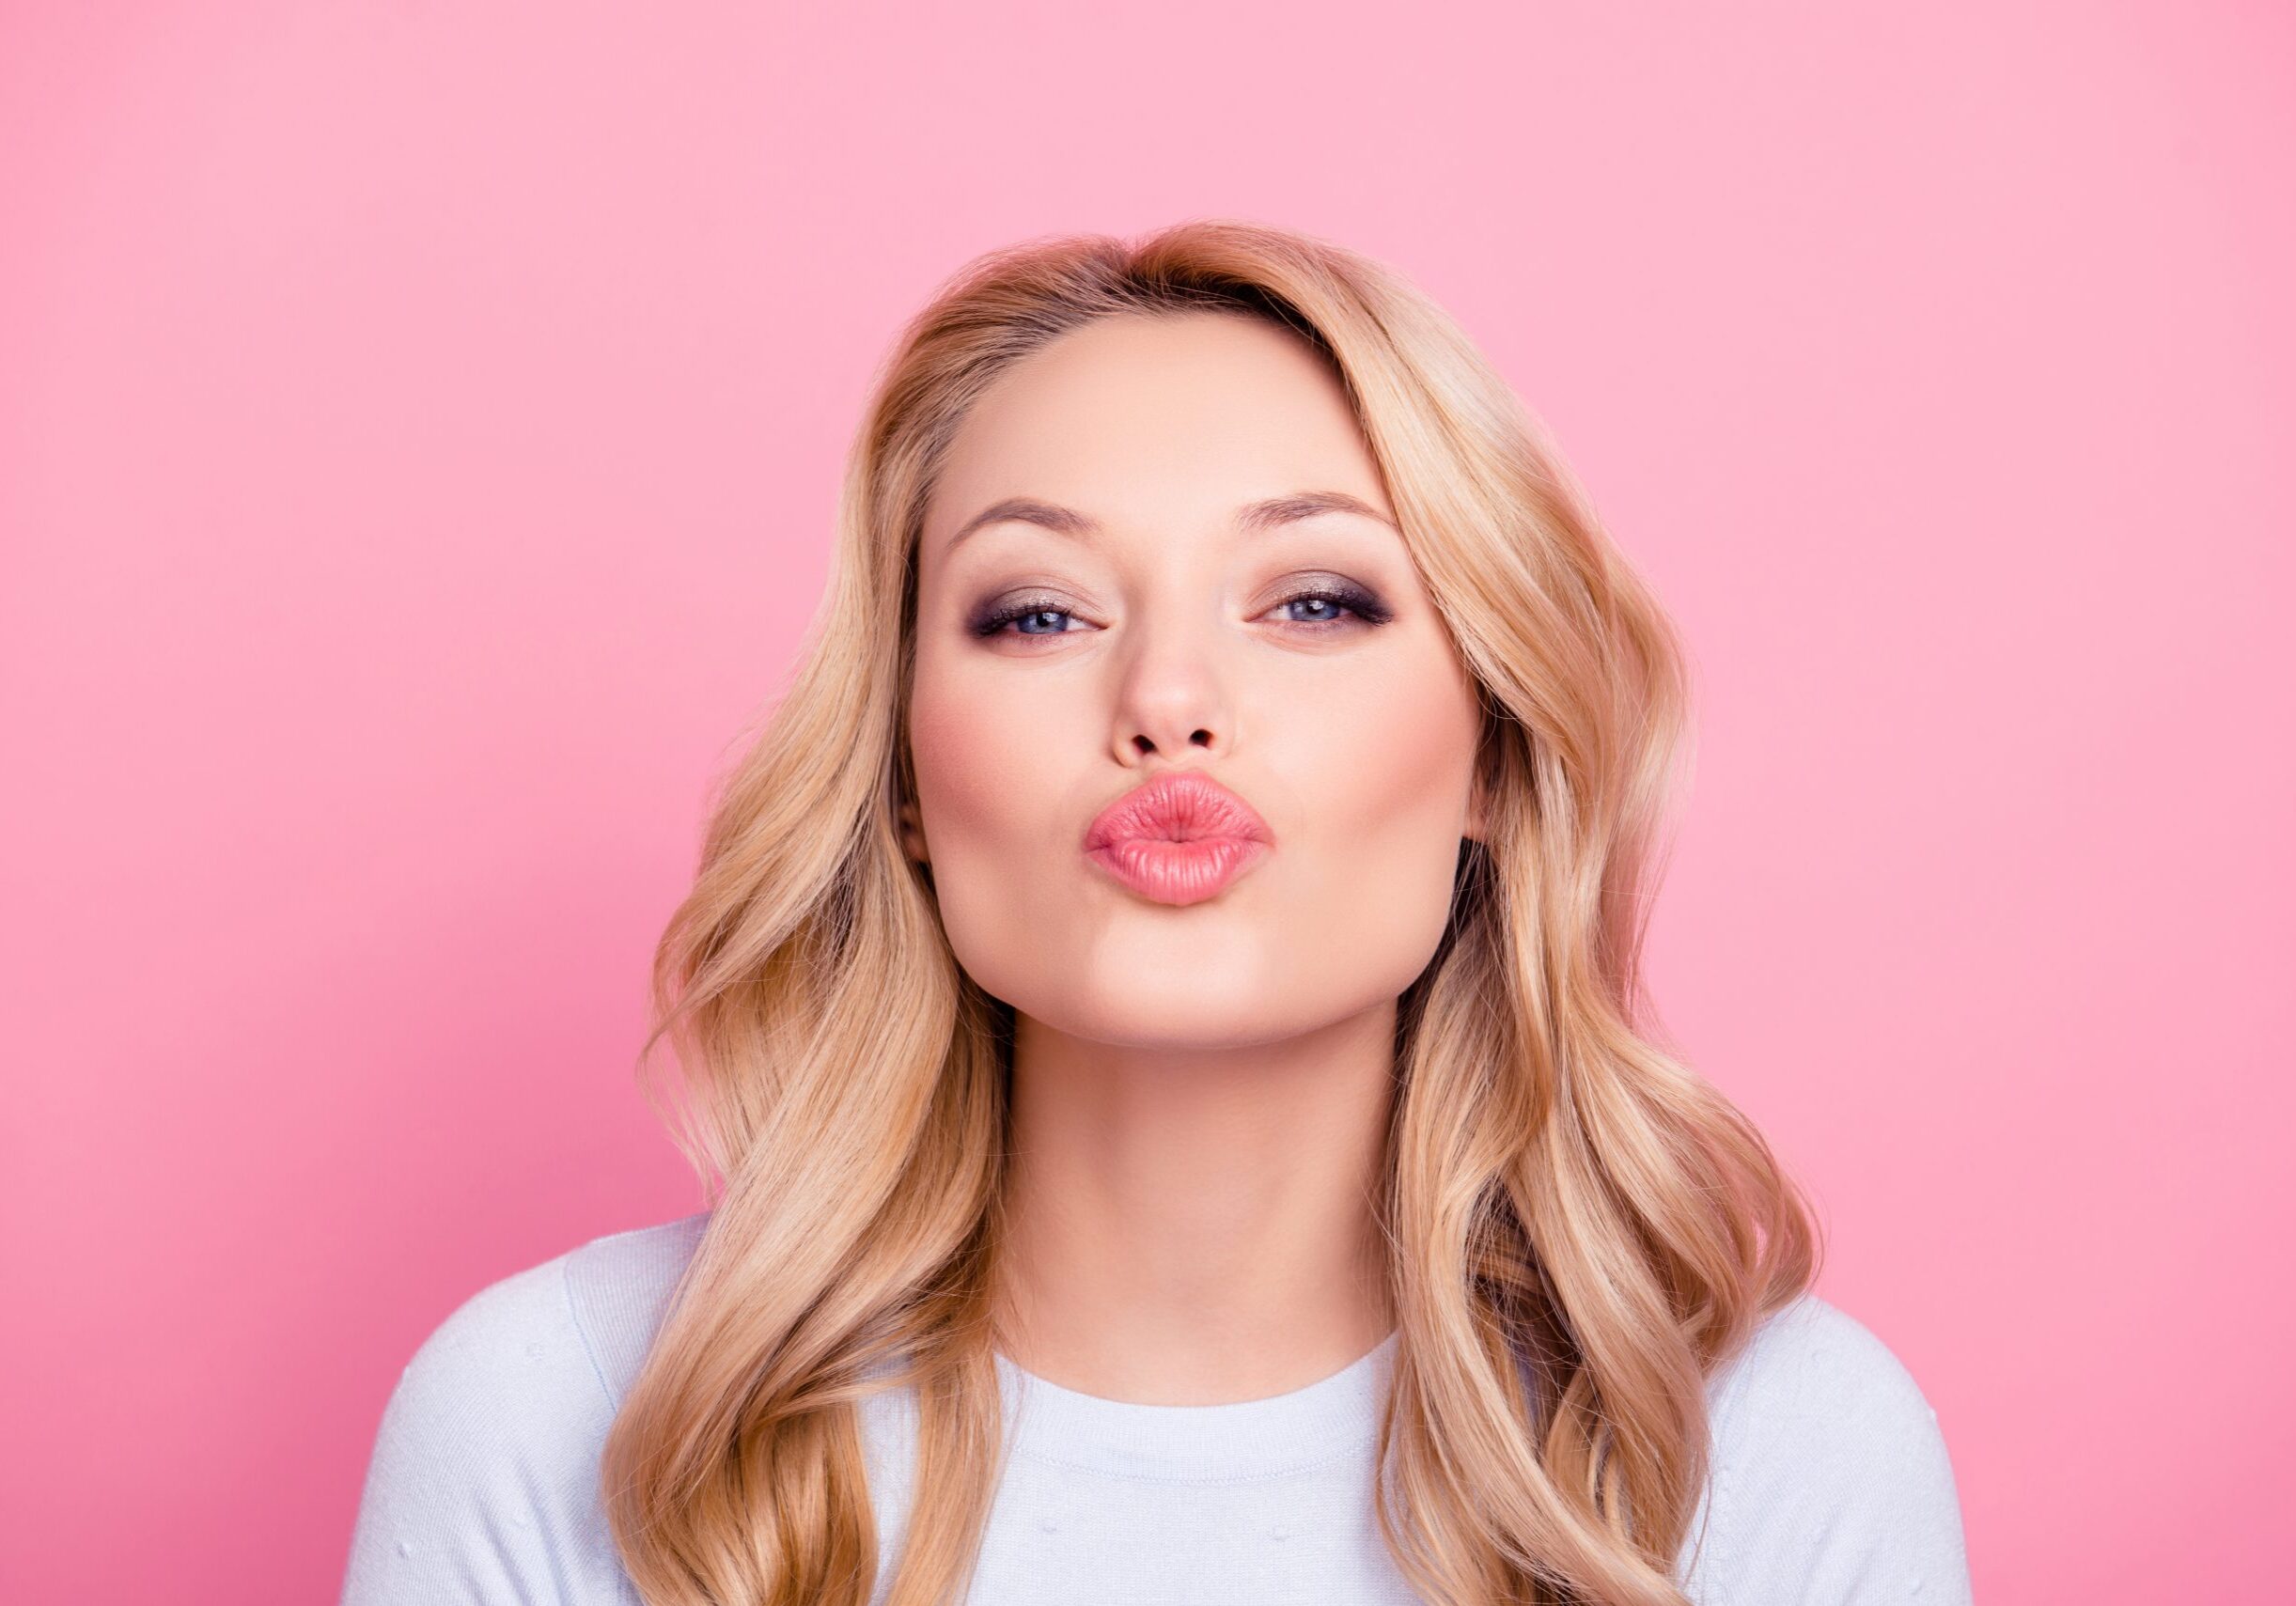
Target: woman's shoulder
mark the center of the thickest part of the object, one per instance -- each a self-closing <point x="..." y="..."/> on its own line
<point x="578" y="1322"/>
<point x="1830" y="1477"/>
<point x="1812" y="1362"/>
<point x="618" y="1287"/>
<point x="486" y="1459"/>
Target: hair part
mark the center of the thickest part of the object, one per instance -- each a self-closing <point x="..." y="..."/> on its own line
<point x="1580" y="1229"/>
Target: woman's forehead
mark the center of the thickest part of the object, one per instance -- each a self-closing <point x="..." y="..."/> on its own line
<point x="1189" y="418"/>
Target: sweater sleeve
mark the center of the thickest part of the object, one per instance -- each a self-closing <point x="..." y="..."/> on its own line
<point x="482" y="1487"/>
<point x="1830" y="1482"/>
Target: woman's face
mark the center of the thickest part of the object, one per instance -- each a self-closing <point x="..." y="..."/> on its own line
<point x="1164" y="629"/>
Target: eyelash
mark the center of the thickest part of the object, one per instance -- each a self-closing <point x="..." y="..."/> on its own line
<point x="1368" y="608"/>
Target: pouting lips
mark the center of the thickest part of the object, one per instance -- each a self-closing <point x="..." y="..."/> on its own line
<point x="1178" y="805"/>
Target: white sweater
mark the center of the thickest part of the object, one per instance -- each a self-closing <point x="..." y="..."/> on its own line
<point x="1830" y="1484"/>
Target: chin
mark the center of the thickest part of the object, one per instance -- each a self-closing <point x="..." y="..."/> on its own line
<point x="1176" y="1007"/>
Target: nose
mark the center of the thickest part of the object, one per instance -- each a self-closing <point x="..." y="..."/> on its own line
<point x="1172" y="696"/>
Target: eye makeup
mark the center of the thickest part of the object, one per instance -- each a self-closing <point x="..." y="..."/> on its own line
<point x="1338" y="593"/>
<point x="1330" y="591"/>
<point x="993" y="617"/>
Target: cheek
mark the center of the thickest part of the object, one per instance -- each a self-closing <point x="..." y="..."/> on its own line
<point x="987" y="754"/>
<point x="994" y="769"/>
<point x="1401" y="767"/>
<point x="1388" y="802"/>
<point x="958" y="755"/>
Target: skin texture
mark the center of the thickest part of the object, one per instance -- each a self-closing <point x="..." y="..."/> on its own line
<point x="1198" y="1092"/>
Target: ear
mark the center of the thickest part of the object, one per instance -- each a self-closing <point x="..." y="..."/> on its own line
<point x="912" y="833"/>
<point x="1479" y="821"/>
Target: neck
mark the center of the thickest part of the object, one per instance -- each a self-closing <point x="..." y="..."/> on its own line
<point x="1195" y="1224"/>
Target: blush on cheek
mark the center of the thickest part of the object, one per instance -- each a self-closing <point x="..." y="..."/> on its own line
<point x="1429" y="724"/>
<point x="972" y="775"/>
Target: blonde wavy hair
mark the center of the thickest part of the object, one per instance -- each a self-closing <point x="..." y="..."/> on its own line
<point x="1581" y="1230"/>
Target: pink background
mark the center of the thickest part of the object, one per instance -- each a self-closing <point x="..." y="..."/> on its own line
<point x="420" y="426"/>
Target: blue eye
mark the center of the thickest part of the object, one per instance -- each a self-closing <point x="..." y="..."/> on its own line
<point x="1349" y="599"/>
<point x="1334" y="600"/>
<point x="1028" y="612"/>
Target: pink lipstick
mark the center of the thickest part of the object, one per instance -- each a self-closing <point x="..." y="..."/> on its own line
<point x="1179" y="839"/>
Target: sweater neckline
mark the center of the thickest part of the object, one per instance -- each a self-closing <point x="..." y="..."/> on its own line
<point x="1335" y="1415"/>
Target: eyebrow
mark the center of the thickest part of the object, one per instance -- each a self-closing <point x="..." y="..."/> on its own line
<point x="1253" y="518"/>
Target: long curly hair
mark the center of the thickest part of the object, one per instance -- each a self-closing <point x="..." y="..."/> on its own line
<point x="1580" y="1229"/>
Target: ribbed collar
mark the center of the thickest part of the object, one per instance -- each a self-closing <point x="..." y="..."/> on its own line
<point x="1335" y="1416"/>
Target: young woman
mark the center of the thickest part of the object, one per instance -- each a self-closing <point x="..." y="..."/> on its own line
<point x="1161" y="1035"/>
